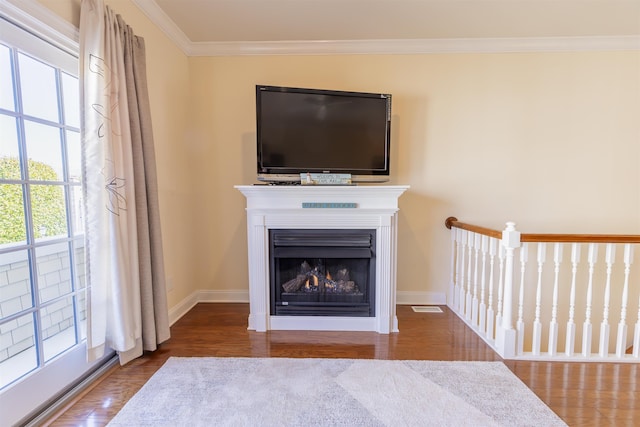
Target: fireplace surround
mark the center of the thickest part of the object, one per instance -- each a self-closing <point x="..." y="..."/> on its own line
<point x="336" y="210"/>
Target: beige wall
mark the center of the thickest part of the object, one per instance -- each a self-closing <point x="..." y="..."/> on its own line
<point x="548" y="140"/>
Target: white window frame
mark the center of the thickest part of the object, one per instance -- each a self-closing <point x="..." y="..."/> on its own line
<point x="41" y="388"/>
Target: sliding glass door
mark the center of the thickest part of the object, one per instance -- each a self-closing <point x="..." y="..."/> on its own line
<point x="42" y="278"/>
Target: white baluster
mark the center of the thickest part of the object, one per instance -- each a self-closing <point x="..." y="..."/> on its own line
<point x="452" y="278"/>
<point x="459" y="261"/>
<point x="537" y="325"/>
<point x="463" y="251"/>
<point x="501" y="258"/>
<point x="621" y="342"/>
<point x="506" y="334"/>
<point x="571" y="325"/>
<point x="587" y="327"/>
<point x="468" y="296"/>
<point x="636" y="335"/>
<point x="483" y="283"/>
<point x="493" y="244"/>
<point x="524" y="255"/>
<point x="553" y="326"/>
<point x="604" y="326"/>
<point x="474" y="306"/>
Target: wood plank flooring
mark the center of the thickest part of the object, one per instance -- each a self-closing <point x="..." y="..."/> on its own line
<point x="582" y="394"/>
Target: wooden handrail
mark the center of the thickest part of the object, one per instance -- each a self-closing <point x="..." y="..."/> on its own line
<point x="453" y="222"/>
<point x="580" y="238"/>
<point x="552" y="238"/>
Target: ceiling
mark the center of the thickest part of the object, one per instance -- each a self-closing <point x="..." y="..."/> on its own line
<point x="276" y="21"/>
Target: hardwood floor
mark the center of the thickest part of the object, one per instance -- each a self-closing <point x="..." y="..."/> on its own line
<point x="582" y="394"/>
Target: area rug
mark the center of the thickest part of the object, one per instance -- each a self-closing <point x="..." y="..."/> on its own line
<point x="254" y="392"/>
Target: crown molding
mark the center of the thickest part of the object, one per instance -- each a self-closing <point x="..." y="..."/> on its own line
<point x="41" y="21"/>
<point x="416" y="46"/>
<point x="151" y="9"/>
<point x="372" y="47"/>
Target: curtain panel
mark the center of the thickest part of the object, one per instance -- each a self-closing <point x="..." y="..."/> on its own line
<point x="126" y="290"/>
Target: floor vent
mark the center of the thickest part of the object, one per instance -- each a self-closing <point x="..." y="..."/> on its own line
<point x="426" y="309"/>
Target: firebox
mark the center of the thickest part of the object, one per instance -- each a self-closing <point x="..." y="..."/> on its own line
<point x="322" y="272"/>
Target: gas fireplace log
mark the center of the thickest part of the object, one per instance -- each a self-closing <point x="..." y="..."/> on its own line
<point x="339" y="286"/>
<point x="294" y="285"/>
<point x="313" y="280"/>
<point x="346" y="287"/>
<point x="305" y="268"/>
<point x="341" y="274"/>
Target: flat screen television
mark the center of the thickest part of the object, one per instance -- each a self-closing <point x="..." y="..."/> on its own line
<point x="322" y="131"/>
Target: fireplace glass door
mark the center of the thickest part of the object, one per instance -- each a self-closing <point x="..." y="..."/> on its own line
<point x="322" y="272"/>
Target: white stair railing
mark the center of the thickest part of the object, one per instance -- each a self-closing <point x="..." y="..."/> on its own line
<point x="547" y="307"/>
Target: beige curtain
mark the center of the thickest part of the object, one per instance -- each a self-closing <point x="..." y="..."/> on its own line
<point x="126" y="293"/>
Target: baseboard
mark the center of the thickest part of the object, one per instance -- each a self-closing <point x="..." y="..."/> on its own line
<point x="180" y="309"/>
<point x="223" y="296"/>
<point x="421" y="298"/>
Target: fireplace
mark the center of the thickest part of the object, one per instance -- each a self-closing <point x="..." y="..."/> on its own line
<point x="316" y="210"/>
<point x="322" y="272"/>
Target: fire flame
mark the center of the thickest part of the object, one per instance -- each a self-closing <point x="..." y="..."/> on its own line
<point x="314" y="280"/>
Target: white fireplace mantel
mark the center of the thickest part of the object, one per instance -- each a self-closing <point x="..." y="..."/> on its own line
<point x="332" y="207"/>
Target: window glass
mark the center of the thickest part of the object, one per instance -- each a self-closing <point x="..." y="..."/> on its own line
<point x="81" y="315"/>
<point x="78" y="257"/>
<point x="6" y="79"/>
<point x="81" y="286"/>
<point x="16" y="294"/>
<point x="9" y="159"/>
<point x="39" y="89"/>
<point x="48" y="211"/>
<point x="54" y="272"/>
<point x="74" y="156"/>
<point x="71" y="100"/>
<point x="12" y="224"/>
<point x="58" y="327"/>
<point x="43" y="151"/>
<point x="20" y="338"/>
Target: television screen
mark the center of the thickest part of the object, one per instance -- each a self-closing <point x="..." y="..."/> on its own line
<point x="322" y="131"/>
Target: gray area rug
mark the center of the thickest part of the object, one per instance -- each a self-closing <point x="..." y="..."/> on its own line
<point x="213" y="391"/>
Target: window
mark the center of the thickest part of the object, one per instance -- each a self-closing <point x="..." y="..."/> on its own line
<point x="42" y="280"/>
<point x="41" y="235"/>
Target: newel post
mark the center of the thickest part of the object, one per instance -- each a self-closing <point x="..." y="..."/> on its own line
<point x="505" y="333"/>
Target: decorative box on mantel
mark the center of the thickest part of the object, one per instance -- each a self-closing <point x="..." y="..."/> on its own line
<point x="282" y="207"/>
